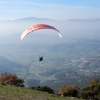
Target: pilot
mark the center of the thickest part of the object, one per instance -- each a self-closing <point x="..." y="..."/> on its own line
<point x="40" y="58"/>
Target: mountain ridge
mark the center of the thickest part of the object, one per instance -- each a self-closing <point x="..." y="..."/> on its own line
<point x="36" y="18"/>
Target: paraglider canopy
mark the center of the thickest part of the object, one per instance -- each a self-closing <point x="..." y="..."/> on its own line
<point x="38" y="27"/>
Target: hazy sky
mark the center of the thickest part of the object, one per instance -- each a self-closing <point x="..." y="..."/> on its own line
<point x="52" y="9"/>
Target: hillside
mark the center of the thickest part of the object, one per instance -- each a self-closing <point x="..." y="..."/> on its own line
<point x="14" y="93"/>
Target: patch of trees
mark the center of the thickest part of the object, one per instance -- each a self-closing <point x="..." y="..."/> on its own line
<point x="43" y="89"/>
<point x="92" y="91"/>
<point x="11" y="79"/>
<point x="69" y="90"/>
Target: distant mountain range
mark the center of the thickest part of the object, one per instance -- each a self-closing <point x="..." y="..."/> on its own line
<point x="46" y="19"/>
<point x="96" y="19"/>
<point x="69" y="28"/>
<point x="29" y="19"/>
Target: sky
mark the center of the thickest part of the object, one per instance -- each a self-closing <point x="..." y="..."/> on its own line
<point x="51" y="9"/>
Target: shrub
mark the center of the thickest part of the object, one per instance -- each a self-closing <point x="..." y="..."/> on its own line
<point x="43" y="89"/>
<point x="71" y="92"/>
<point x="11" y="79"/>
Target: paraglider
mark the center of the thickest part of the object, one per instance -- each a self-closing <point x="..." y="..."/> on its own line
<point x="38" y="27"/>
